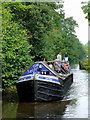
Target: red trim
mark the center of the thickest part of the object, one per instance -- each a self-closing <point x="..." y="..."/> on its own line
<point x="54" y="76"/>
<point x="44" y="60"/>
<point x="63" y="61"/>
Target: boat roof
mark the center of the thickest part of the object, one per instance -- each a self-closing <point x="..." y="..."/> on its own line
<point x="45" y="63"/>
<point x="63" y="76"/>
<point x="47" y="66"/>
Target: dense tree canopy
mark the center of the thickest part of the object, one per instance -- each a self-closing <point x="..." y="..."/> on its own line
<point x="34" y="31"/>
<point x="16" y="48"/>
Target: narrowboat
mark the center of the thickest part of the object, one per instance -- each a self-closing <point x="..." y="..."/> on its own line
<point x="45" y="81"/>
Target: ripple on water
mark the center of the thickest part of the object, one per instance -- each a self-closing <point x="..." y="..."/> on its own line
<point x="79" y="94"/>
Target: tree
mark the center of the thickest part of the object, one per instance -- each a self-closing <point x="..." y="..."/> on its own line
<point x="16" y="49"/>
<point x="40" y="19"/>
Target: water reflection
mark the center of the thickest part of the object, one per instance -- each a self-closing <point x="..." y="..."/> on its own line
<point x="41" y="110"/>
<point x="35" y="109"/>
<point x="9" y="109"/>
<point x="74" y="104"/>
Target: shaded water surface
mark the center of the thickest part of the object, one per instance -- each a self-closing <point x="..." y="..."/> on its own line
<point x="74" y="104"/>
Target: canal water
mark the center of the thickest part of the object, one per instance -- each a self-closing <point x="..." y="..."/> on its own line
<point x="74" y="104"/>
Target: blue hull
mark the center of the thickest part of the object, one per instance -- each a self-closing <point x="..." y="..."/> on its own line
<point x="43" y="85"/>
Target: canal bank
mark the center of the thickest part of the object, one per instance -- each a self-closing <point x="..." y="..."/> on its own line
<point x="74" y="104"/>
<point x="84" y="65"/>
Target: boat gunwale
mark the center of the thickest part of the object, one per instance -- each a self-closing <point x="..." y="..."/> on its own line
<point x="38" y="80"/>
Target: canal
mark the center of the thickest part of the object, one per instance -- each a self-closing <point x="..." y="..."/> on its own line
<point x="74" y="104"/>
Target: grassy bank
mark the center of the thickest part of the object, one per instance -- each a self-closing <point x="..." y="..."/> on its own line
<point x="84" y="64"/>
<point x="9" y="94"/>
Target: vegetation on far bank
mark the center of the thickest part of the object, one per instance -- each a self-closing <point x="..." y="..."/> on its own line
<point x="33" y="31"/>
<point x="84" y="64"/>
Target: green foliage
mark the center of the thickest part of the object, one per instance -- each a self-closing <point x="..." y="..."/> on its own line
<point x="85" y="64"/>
<point x="40" y="19"/>
<point x="36" y="29"/>
<point x="15" y="48"/>
<point x="86" y="48"/>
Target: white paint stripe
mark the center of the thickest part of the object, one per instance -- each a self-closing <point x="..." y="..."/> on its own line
<point x="39" y="75"/>
<point x="25" y="80"/>
<point x="39" y="80"/>
<point x="26" y="76"/>
<point x="54" y="77"/>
